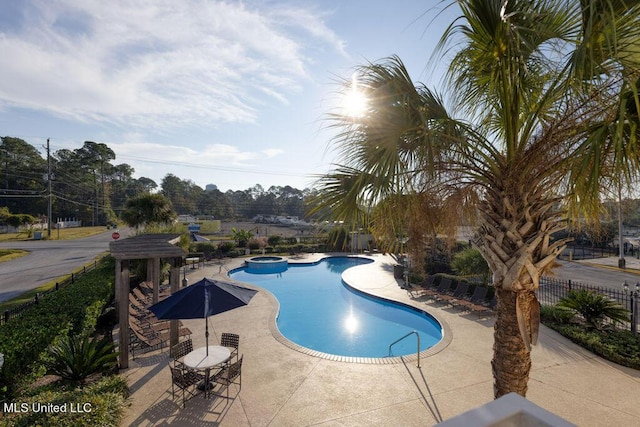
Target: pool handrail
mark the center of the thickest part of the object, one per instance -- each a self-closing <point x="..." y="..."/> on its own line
<point x="405" y="336"/>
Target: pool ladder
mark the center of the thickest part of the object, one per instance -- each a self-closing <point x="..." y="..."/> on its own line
<point x="400" y="339"/>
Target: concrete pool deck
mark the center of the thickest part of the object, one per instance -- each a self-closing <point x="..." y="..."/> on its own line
<point x="285" y="387"/>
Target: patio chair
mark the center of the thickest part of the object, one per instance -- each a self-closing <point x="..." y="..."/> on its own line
<point x="457" y="294"/>
<point x="443" y="288"/>
<point x="185" y="380"/>
<point x="232" y="341"/>
<point x="228" y="376"/>
<point x="180" y="350"/>
<point x="415" y="291"/>
<point x="475" y="302"/>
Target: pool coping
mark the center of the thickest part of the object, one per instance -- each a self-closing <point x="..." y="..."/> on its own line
<point x="447" y="335"/>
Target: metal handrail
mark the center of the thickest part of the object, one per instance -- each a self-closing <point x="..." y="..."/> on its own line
<point x="405" y="336"/>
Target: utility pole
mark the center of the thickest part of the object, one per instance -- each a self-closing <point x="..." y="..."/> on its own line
<point x="621" y="260"/>
<point x="49" y="191"/>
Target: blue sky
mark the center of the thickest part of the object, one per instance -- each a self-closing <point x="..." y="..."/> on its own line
<point x="228" y="93"/>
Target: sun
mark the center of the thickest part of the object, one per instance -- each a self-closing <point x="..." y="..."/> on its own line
<point x="354" y="103"/>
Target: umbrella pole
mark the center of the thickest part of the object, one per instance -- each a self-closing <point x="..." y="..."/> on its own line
<point x="206" y="333"/>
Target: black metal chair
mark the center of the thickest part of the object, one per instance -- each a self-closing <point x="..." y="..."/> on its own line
<point x="187" y="381"/>
<point x="180" y="350"/>
<point x="232" y="341"/>
<point x="228" y="376"/>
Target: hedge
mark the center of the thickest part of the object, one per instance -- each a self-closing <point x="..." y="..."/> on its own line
<point x="74" y="308"/>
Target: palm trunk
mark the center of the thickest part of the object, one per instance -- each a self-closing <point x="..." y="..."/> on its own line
<point x="515" y="239"/>
<point x="511" y="359"/>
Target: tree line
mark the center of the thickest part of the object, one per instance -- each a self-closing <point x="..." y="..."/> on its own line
<point x="87" y="185"/>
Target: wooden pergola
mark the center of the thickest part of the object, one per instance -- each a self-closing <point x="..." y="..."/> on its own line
<point x="153" y="248"/>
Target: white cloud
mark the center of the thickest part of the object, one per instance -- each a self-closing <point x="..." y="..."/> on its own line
<point x="158" y="63"/>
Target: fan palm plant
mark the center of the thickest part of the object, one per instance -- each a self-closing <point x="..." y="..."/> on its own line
<point x="75" y="358"/>
<point x="595" y="308"/>
<point x="533" y="84"/>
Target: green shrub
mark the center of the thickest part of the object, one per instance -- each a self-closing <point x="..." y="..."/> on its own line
<point x="274" y="240"/>
<point x="595" y="308"/>
<point x="613" y="344"/>
<point x="226" y="247"/>
<point x="102" y="404"/>
<point x="556" y="314"/>
<point x="75" y="358"/>
<point x="23" y="340"/>
<point x="203" y="247"/>
<point x="469" y="262"/>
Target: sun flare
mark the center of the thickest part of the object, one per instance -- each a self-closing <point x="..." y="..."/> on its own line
<point x="355" y="102"/>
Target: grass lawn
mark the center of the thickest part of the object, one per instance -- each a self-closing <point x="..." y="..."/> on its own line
<point x="9" y="254"/>
<point x="62" y="234"/>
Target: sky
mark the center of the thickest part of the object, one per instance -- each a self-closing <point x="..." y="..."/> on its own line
<point x="226" y="93"/>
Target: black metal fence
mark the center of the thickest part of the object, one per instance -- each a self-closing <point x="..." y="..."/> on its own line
<point x="17" y="311"/>
<point x="552" y="290"/>
<point x="573" y="252"/>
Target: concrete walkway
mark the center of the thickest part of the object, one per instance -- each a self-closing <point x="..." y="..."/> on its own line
<point x="285" y="387"/>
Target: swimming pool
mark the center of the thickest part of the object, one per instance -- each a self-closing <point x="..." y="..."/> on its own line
<point x="319" y="312"/>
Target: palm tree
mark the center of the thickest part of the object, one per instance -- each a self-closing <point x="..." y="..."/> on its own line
<point x="534" y="84"/>
<point x="148" y="210"/>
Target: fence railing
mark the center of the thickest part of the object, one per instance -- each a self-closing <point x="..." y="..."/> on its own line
<point x="19" y="310"/>
<point x="573" y="252"/>
<point x="552" y="290"/>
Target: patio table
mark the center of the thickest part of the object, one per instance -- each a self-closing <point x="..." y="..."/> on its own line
<point x="193" y="261"/>
<point x="198" y="359"/>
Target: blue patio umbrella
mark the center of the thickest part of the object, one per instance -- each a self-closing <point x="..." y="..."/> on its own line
<point x="201" y="300"/>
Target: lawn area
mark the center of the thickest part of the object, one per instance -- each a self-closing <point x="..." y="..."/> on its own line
<point x="62" y="234"/>
<point x="9" y="254"/>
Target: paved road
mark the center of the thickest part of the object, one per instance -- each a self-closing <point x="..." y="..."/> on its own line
<point x="47" y="261"/>
<point x="590" y="273"/>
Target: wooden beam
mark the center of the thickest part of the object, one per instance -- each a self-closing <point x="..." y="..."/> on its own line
<point x="175" y="286"/>
<point x="122" y="284"/>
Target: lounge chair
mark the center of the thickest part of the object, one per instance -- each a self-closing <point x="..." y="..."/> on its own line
<point x="442" y="289"/>
<point x="459" y="292"/>
<point x="416" y="290"/>
<point x="475" y="302"/>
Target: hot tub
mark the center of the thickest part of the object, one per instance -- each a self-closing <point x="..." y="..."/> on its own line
<point x="267" y="264"/>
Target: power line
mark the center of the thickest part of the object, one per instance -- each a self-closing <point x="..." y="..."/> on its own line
<point x="212" y="167"/>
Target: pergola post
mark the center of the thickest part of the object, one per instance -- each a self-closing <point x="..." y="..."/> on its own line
<point x="153" y="273"/>
<point x="156" y="279"/>
<point x="122" y="290"/>
<point x="175" y="286"/>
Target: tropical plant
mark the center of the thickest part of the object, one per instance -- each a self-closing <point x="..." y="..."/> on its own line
<point x="594" y="307"/>
<point x="148" y="210"/>
<point x="544" y="93"/>
<point x="75" y="358"/>
<point x="470" y="262"/>
<point x="241" y="236"/>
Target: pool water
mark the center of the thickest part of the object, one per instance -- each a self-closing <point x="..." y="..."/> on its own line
<point x="318" y="311"/>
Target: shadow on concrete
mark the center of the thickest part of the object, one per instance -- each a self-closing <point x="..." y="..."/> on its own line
<point x="425" y="392"/>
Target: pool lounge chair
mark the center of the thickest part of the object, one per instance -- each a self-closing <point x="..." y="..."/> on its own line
<point x="416" y="290"/>
<point x="475" y="302"/>
<point x="442" y="289"/>
<point x="458" y="293"/>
